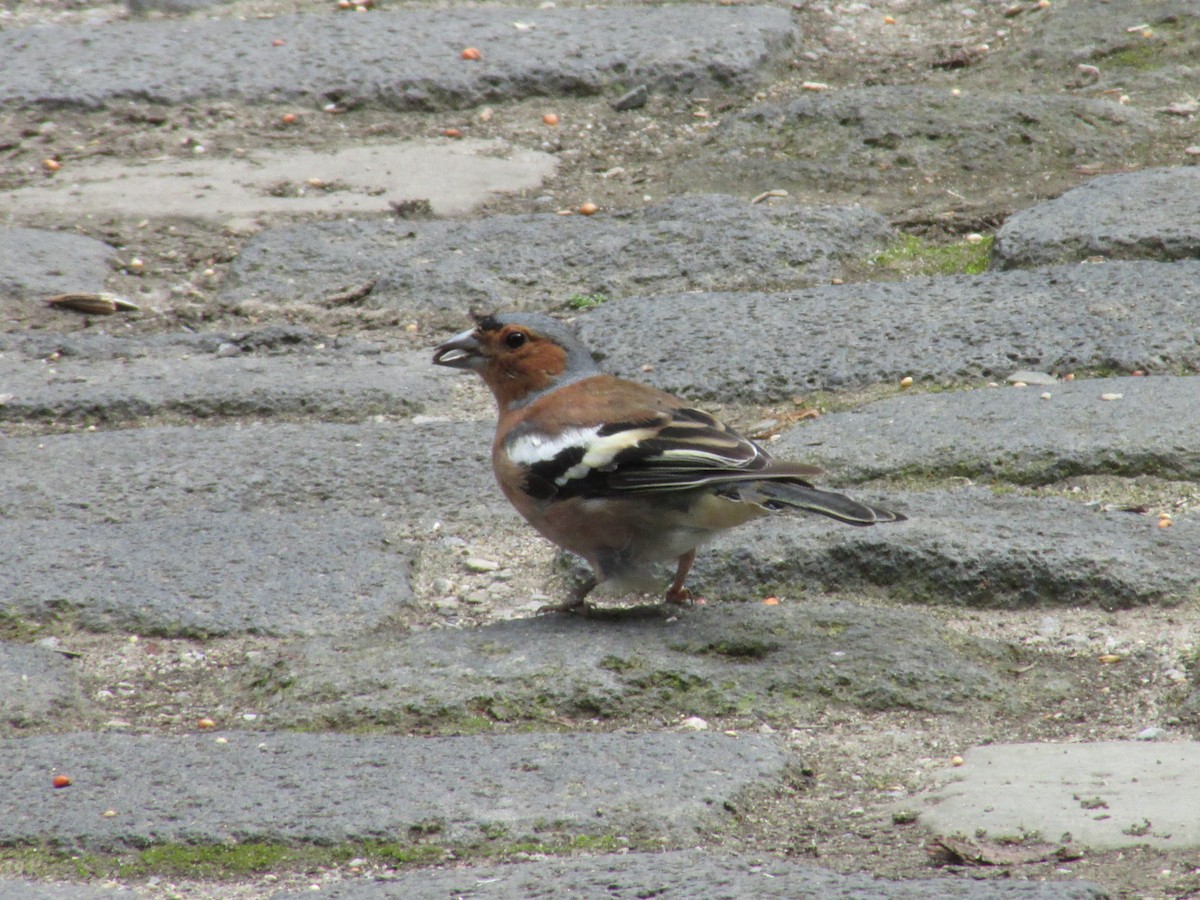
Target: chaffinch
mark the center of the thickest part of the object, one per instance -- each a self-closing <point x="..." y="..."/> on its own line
<point x="620" y="473"/>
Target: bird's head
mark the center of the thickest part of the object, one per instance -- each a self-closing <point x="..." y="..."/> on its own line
<point x="518" y="355"/>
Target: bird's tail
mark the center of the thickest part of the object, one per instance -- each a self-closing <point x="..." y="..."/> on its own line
<point x="781" y="496"/>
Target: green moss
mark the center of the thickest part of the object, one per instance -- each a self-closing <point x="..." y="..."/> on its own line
<point x="586" y="301"/>
<point x="913" y="256"/>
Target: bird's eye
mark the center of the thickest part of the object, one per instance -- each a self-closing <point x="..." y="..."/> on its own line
<point x="515" y="339"/>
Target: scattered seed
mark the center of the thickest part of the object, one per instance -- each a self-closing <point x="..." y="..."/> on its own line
<point x="1111" y="396"/>
<point x="815" y="86"/>
<point x="906" y="381"/>
<point x="1109" y="659"/>
<point x="288" y="118"/>
<point x="771" y="601"/>
<point x="51" y="165"/>
<point x="1046" y="395"/>
<point x="550" y="119"/>
<point x="472" y="53"/>
<point x="61" y="781"/>
<point x="888" y="20"/>
<point x="451" y="133"/>
<point x="206" y="723"/>
<point x="956" y="760"/>
<point x="588" y="209"/>
<point x="102" y="304"/>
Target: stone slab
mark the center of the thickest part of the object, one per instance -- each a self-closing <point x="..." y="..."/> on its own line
<point x="780" y="663"/>
<point x="1011" y="434"/>
<point x="1107" y="795"/>
<point x="203" y="573"/>
<point x="1118" y="316"/>
<point x="328" y="788"/>
<point x="408" y="472"/>
<point x="407" y="59"/>
<point x="986" y="146"/>
<point x="455" y="176"/>
<point x="699" y="874"/>
<point x="37" y="686"/>
<point x="965" y="547"/>
<point x="697" y="242"/>
<point x="1152" y="214"/>
<point x="146" y="379"/>
<point x="36" y="264"/>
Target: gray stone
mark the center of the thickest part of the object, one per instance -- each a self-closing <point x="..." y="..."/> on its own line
<point x="1072" y="33"/>
<point x="704" y="242"/>
<point x="1121" y="315"/>
<point x="14" y="889"/>
<point x="698" y="874"/>
<point x="147" y="379"/>
<point x="1152" y="214"/>
<point x="1107" y="795"/>
<point x="405" y="59"/>
<point x="990" y="148"/>
<point x="205" y="573"/>
<point x="37" y="685"/>
<point x="634" y="99"/>
<point x="726" y="658"/>
<point x="967" y="547"/>
<point x="412" y="473"/>
<point x="36" y="264"/>
<point x="326" y="789"/>
<point x="1012" y="434"/>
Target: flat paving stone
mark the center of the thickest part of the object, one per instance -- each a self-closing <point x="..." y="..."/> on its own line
<point x="410" y="473"/>
<point x="988" y="146"/>
<point x="784" y="661"/>
<point x="326" y="789"/>
<point x="699" y="874"/>
<point x="1118" y="316"/>
<point x="1152" y="214"/>
<point x="37" y="687"/>
<point x="966" y="547"/>
<point x="699" y="242"/>
<point x="1012" y="434"/>
<point x="455" y="176"/>
<point x="216" y="380"/>
<point x="206" y="573"/>
<point x="1107" y="795"/>
<point x="405" y="59"/>
<point x="37" y="264"/>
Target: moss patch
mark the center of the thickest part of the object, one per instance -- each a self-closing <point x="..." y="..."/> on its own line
<point x="912" y="256"/>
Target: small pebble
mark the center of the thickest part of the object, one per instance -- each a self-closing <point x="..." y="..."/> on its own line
<point x="1029" y="376"/>
<point x="479" y="564"/>
<point x="228" y="349"/>
<point x="1111" y="396"/>
<point x="1152" y="733"/>
<point x="694" y="723"/>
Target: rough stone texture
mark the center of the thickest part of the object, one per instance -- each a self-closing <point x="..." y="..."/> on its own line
<point x="1152" y="214"/>
<point x="1107" y="795"/>
<point x="13" y="889"/>
<point x="846" y="143"/>
<point x="965" y="547"/>
<point x="687" y="873"/>
<point x="338" y="788"/>
<point x="1121" y="315"/>
<point x="404" y="60"/>
<point x="723" y="659"/>
<point x="206" y="573"/>
<point x="36" y="264"/>
<point x="1012" y="434"/>
<point x="406" y="472"/>
<point x="1072" y="33"/>
<point x="37" y="687"/>
<point x="702" y="242"/>
<point x="205" y="384"/>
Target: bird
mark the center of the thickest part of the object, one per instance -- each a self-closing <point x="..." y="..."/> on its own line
<point x="620" y="473"/>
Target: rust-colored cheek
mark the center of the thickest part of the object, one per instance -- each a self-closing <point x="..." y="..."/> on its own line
<point x="534" y="369"/>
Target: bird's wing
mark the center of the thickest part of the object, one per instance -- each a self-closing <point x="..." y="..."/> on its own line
<point x="653" y="450"/>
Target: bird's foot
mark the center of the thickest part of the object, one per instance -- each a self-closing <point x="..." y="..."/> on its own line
<point x="683" y="597"/>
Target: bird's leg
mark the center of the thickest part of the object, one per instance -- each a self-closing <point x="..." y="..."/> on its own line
<point x="677" y="593"/>
<point x="577" y="603"/>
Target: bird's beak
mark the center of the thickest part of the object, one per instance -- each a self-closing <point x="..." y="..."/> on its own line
<point x="462" y="351"/>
